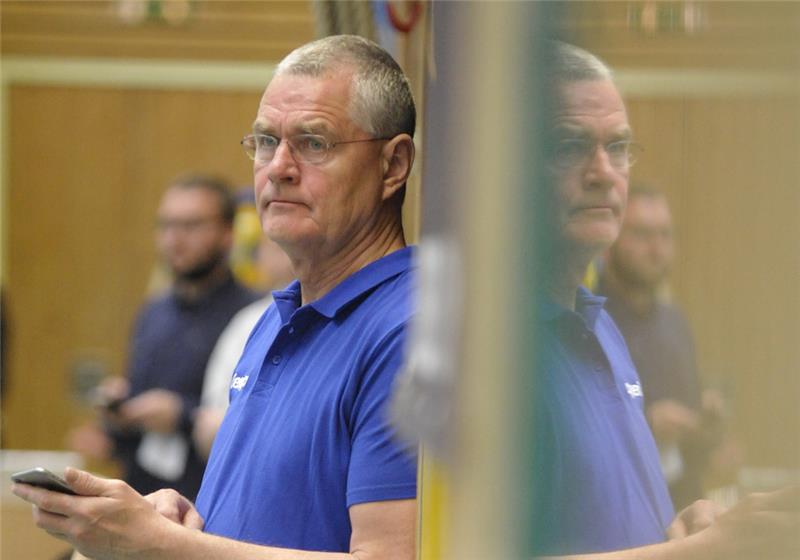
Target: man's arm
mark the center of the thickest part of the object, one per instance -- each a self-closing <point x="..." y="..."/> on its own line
<point x="110" y="520"/>
<point x="763" y="526"/>
<point x="381" y="531"/>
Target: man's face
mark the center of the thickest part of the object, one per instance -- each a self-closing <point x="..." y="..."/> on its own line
<point x="316" y="209"/>
<point x="589" y="196"/>
<point x="644" y="251"/>
<point x="191" y="236"/>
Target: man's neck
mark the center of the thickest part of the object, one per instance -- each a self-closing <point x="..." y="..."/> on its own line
<point x="565" y="274"/>
<point x="640" y="298"/>
<point x="320" y="273"/>
<point x="191" y="290"/>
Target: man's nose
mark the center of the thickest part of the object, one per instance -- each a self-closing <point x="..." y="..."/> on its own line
<point x="283" y="166"/>
<point x="599" y="170"/>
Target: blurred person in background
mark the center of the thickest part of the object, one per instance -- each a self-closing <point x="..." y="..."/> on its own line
<point x="276" y="271"/>
<point x="147" y="418"/>
<point x="687" y="423"/>
<point x="305" y="464"/>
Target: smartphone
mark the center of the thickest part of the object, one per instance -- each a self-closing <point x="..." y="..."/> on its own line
<point x="112" y="405"/>
<point x="43" y="478"/>
<point x="101" y="400"/>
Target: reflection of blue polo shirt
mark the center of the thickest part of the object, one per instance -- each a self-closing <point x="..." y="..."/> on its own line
<point x="306" y="434"/>
<point x="597" y="481"/>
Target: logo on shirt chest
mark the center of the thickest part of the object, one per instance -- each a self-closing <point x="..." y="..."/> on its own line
<point x="634" y="390"/>
<point x="239" y="381"/>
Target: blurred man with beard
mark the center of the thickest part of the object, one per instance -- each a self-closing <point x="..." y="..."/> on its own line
<point x="685" y="423"/>
<point x="148" y="417"/>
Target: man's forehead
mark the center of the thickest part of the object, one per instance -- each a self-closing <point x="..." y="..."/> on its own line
<point x="649" y="204"/>
<point x="299" y="87"/>
<point x="597" y="99"/>
<point x="188" y="200"/>
<point x="313" y="100"/>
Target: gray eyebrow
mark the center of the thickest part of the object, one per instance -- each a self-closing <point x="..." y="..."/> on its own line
<point x="564" y="129"/>
<point x="625" y="134"/>
<point x="258" y="128"/>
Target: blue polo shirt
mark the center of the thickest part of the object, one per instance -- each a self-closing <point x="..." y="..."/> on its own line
<point x="306" y="435"/>
<point x="597" y="481"/>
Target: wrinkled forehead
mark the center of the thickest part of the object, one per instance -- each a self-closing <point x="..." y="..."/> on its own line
<point x="301" y="96"/>
<point x="595" y="102"/>
<point x="332" y="86"/>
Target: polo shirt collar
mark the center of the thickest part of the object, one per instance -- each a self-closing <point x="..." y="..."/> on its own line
<point x="351" y="288"/>
<point x="587" y="305"/>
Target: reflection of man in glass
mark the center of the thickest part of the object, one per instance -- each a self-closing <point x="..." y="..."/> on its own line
<point x="598" y="485"/>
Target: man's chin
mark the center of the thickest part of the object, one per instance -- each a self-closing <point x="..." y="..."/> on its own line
<point x="196" y="272"/>
<point x="598" y="237"/>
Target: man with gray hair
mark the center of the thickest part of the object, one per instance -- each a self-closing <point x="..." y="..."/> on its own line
<point x="305" y="464"/>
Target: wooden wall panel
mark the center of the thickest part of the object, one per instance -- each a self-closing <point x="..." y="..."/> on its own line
<point x="731" y="172"/>
<point x="230" y="30"/>
<point x="658" y="124"/>
<point x="743" y="262"/>
<point x="760" y="34"/>
<point x="87" y="167"/>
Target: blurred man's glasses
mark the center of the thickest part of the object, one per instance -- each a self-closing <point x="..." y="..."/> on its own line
<point x="577" y="152"/>
<point x="306" y="148"/>
<point x="185" y="226"/>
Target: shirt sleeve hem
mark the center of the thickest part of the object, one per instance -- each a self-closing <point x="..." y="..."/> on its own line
<point x="381" y="493"/>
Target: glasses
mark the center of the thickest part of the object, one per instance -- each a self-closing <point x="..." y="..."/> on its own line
<point x="185" y="226"/>
<point x="306" y="148"/>
<point x="577" y="152"/>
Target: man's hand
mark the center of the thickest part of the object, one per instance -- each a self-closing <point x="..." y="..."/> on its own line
<point x="694" y="518"/>
<point x="759" y="526"/>
<point x="111" y="390"/>
<point x="108" y="519"/>
<point x="176" y="508"/>
<point x="156" y="410"/>
<point x="671" y="421"/>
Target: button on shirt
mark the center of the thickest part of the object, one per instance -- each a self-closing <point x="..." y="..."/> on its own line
<point x="597" y="480"/>
<point x="306" y="435"/>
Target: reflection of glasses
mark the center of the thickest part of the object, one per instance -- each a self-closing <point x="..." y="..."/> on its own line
<point x="306" y="148"/>
<point x="186" y="226"/>
<point x="576" y="152"/>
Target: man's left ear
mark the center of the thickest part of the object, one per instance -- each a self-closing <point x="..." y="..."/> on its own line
<point x="398" y="158"/>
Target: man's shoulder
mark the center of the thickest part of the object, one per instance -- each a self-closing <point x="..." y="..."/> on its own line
<point x="381" y="292"/>
<point x="671" y="316"/>
<point x="156" y="303"/>
<point x="390" y="304"/>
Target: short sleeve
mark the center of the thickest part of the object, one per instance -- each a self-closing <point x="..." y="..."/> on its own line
<point x="381" y="467"/>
